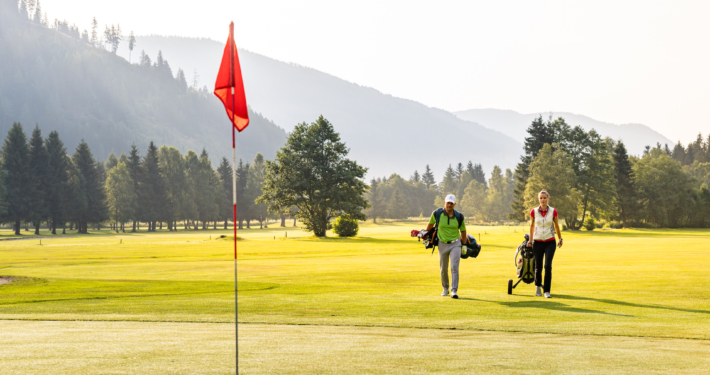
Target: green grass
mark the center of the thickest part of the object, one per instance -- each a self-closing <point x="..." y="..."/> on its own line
<point x="623" y="300"/>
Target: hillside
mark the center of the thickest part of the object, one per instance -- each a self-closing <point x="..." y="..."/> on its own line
<point x="385" y="133"/>
<point x="514" y="124"/>
<point x="65" y="84"/>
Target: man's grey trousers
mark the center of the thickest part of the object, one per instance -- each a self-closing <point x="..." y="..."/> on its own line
<point x="450" y="251"/>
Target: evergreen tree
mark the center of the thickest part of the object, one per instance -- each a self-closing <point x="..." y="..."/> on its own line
<point x="111" y="161"/>
<point x="37" y="18"/>
<point x="95" y="210"/>
<point x="94" y="32"/>
<point x="57" y="180"/>
<point x="153" y="199"/>
<point x="131" y="45"/>
<point x="243" y="204"/>
<point x="135" y="169"/>
<point x="428" y="178"/>
<point x="75" y="199"/>
<point x="415" y="177"/>
<point x="257" y="173"/>
<point x="376" y="201"/>
<point x="458" y="173"/>
<point x="479" y="175"/>
<point x="449" y="184"/>
<point x="39" y="170"/>
<point x="625" y="183"/>
<point x="495" y="205"/>
<point x="172" y="166"/>
<point x="397" y="208"/>
<point x="18" y="176"/>
<point x="225" y="198"/>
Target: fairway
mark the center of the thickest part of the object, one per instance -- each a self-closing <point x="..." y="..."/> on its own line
<point x="624" y="301"/>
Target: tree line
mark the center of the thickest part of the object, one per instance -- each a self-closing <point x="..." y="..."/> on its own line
<point x="478" y="198"/>
<point x="40" y="182"/>
<point x="593" y="178"/>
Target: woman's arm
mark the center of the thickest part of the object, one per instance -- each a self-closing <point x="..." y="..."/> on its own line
<point x="559" y="234"/>
<point x="532" y="231"/>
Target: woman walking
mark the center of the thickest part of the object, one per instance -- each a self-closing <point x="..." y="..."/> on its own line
<point x="543" y="241"/>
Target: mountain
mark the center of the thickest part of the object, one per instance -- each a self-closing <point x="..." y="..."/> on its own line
<point x="60" y="82"/>
<point x="384" y="133"/>
<point x="514" y="124"/>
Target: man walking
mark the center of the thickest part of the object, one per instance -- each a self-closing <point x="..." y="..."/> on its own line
<point x="451" y="231"/>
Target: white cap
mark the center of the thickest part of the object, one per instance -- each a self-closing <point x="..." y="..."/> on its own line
<point x="450" y="198"/>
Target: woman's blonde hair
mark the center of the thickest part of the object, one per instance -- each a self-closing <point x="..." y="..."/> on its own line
<point x="543" y="191"/>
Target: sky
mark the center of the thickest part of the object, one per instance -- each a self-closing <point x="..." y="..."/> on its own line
<point x="620" y="62"/>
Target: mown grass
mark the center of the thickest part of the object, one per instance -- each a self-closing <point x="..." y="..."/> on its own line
<point x="609" y="288"/>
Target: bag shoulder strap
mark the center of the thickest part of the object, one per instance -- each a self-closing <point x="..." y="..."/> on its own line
<point x="459" y="217"/>
<point x="437" y="215"/>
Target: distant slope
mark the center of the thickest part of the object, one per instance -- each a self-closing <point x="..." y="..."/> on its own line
<point x="514" y="124"/>
<point x="64" y="84"/>
<point x="384" y="133"/>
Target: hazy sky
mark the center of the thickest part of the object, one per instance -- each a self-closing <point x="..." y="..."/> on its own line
<point x="616" y="61"/>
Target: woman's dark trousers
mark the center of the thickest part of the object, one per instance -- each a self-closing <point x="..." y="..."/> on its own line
<point x="547" y="250"/>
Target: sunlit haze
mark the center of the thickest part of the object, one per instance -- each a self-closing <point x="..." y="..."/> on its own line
<point x="632" y="62"/>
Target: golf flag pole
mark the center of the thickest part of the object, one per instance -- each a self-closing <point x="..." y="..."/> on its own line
<point x="229" y="88"/>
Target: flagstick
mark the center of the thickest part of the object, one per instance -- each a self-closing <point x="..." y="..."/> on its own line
<point x="234" y="206"/>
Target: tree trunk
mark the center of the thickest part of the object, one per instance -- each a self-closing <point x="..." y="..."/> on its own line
<point x="261" y="223"/>
<point x="134" y="226"/>
<point x="37" y="224"/>
<point x="283" y="220"/>
<point x="64" y="228"/>
<point x="17" y="227"/>
<point x="195" y="225"/>
<point x="27" y="227"/>
<point x="294" y="221"/>
<point x="248" y="227"/>
<point x="225" y="224"/>
<point x="240" y="224"/>
<point x="54" y="227"/>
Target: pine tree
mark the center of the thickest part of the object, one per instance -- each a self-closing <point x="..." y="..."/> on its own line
<point x="458" y="173"/>
<point x="172" y="166"/>
<point x="428" y="178"/>
<point x="376" y="201"/>
<point x="397" y="208"/>
<point x="37" y="18"/>
<point x="95" y="210"/>
<point x="449" y="183"/>
<point x="111" y="161"/>
<point x="243" y="205"/>
<point x="18" y="176"/>
<point x="153" y="200"/>
<point x="225" y="197"/>
<point x="625" y="183"/>
<point x="57" y="180"/>
<point x="257" y="174"/>
<point x="94" y="32"/>
<point x="131" y="45"/>
<point x="479" y="175"/>
<point x="135" y="169"/>
<point x="415" y="177"/>
<point x="39" y="169"/>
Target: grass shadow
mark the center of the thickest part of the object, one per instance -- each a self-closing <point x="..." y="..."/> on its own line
<point x="548" y="305"/>
<point x="629" y="304"/>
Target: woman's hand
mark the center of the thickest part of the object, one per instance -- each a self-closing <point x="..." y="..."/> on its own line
<point x="560" y="243"/>
<point x="530" y="243"/>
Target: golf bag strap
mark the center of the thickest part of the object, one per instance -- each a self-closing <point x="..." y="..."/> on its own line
<point x="437" y="214"/>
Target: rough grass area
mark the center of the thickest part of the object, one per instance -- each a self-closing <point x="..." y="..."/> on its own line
<point x="624" y="301"/>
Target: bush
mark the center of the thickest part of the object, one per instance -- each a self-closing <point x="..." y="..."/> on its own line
<point x="589" y="224"/>
<point x="616" y="225"/>
<point x="600" y="225"/>
<point x="345" y="226"/>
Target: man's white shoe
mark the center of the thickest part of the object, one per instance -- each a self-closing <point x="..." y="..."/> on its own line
<point x="538" y="292"/>
<point x="454" y="295"/>
<point x="547" y="295"/>
<point x="445" y="293"/>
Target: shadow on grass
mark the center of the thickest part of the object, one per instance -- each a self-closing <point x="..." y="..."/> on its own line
<point x="622" y="303"/>
<point x="547" y="305"/>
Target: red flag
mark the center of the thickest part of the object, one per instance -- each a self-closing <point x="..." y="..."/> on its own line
<point x="229" y="87"/>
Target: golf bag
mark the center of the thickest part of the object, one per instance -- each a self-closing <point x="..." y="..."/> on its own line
<point x="524" y="264"/>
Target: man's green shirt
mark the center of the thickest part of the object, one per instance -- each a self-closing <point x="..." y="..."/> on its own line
<point x="448" y="227"/>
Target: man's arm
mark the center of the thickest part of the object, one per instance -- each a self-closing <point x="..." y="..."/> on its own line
<point x="429" y="227"/>
<point x="464" y="238"/>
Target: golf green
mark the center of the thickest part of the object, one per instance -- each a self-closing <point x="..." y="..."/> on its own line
<point x="623" y="301"/>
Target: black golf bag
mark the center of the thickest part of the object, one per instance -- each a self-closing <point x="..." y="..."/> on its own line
<point x="524" y="264"/>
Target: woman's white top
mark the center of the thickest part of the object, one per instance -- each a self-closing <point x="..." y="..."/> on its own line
<point x="544" y="224"/>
